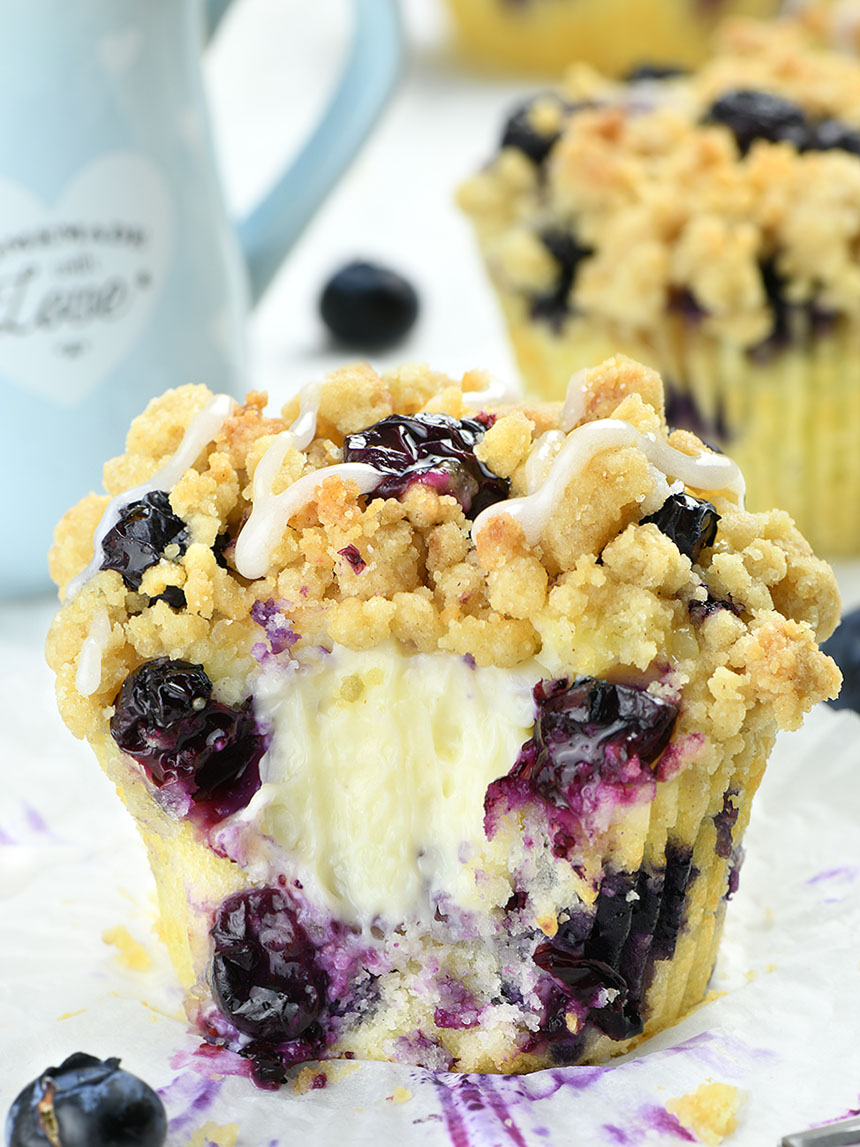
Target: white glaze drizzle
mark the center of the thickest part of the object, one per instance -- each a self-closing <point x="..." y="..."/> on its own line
<point x="540" y="458"/>
<point x="533" y="512"/>
<point x="88" y="676"/>
<point x="496" y="391"/>
<point x="573" y="410"/>
<point x="201" y="430"/>
<point x="271" y="512"/>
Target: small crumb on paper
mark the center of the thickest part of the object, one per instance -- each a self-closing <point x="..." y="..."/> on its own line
<point x="400" y="1095"/>
<point x="709" y="1111"/>
<point x="310" y="1079"/>
<point x="214" y="1135"/>
<point x="71" y="1015"/>
<point x="132" y="953"/>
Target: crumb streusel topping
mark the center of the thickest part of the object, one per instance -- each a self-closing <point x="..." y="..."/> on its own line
<point x="360" y="571"/>
<point x="664" y="204"/>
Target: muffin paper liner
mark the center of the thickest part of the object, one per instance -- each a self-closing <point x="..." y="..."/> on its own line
<point x="782" y="1031"/>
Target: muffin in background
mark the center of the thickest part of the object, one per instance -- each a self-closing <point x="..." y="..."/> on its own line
<point x="835" y="23"/>
<point x="543" y="37"/>
<point x="440" y="716"/>
<point x="708" y="225"/>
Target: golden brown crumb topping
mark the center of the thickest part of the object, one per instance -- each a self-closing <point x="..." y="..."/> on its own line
<point x="599" y="592"/>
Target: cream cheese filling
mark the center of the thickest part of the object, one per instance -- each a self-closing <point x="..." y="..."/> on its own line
<point x="374" y="783"/>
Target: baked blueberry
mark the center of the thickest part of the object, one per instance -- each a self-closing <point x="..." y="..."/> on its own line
<point x="171" y="595"/>
<point x="521" y="133"/>
<point x="587" y="731"/>
<point x="368" y="306"/>
<point x="165" y="718"/>
<point x="752" y="115"/>
<point x="264" y="973"/>
<point x="86" y="1102"/>
<point x="834" y="135"/>
<point x="653" y="71"/>
<point x="554" y="305"/>
<point x="138" y="540"/>
<point x="691" y="523"/>
<point x="844" y="648"/>
<point x="435" y="449"/>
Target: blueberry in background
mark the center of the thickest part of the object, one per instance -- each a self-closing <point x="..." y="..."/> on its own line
<point x="368" y="306"/>
<point x="86" y="1102"/>
<point x="844" y="648"/>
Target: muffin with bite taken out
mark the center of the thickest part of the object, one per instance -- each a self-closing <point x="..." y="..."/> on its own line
<point x="440" y="714"/>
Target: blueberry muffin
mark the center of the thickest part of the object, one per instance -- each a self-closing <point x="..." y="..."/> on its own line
<point x="833" y="22"/>
<point x="544" y="36"/>
<point x="440" y="715"/>
<point x="709" y="226"/>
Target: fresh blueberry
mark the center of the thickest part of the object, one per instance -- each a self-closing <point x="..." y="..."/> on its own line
<point x="368" y="306"/>
<point x="165" y="718"/>
<point x="431" y="448"/>
<point x="844" y="648"/>
<point x="264" y="973"/>
<point x="138" y="540"/>
<point x="751" y="114"/>
<point x="691" y="523"/>
<point x="86" y="1102"/>
<point x="586" y="731"/>
<point x="653" y="71"/>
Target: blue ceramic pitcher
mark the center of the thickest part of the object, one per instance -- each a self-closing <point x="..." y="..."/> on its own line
<point x="120" y="274"/>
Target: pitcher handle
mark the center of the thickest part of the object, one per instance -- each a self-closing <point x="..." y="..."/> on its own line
<point x="215" y="12"/>
<point x="270" y="229"/>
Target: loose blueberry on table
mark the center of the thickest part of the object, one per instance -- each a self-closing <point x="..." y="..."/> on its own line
<point x="368" y="306"/>
<point x="86" y="1102"/>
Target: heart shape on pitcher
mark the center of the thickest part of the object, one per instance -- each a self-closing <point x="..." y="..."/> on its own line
<point x="79" y="280"/>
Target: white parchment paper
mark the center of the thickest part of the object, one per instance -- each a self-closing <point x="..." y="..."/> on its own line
<point x="784" y="1031"/>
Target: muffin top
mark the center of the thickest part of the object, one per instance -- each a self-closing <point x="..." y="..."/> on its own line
<point x="730" y="196"/>
<point x="425" y="511"/>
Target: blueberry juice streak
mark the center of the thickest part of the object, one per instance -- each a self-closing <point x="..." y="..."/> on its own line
<point x="434" y="449"/>
<point x="201" y="754"/>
